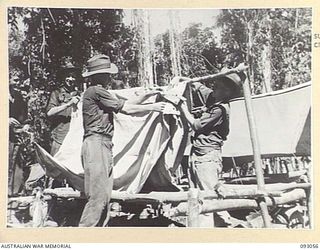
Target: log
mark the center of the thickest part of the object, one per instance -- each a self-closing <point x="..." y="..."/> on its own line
<point x="210" y="206"/>
<point x="183" y="196"/>
<point x="271" y="187"/>
<point x="22" y="199"/>
<point x="26" y="199"/>
<point x="232" y="192"/>
<point x="63" y="193"/>
<point x="193" y="208"/>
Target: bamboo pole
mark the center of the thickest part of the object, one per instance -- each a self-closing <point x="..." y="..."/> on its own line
<point x="231" y="192"/>
<point x="27" y="199"/>
<point x="211" y="206"/>
<point x="238" y="69"/>
<point x="193" y="208"/>
<point x="38" y="213"/>
<point x="271" y="187"/>
<point x="256" y="152"/>
<point x="183" y="196"/>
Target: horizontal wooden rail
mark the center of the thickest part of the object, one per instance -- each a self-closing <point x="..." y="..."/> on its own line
<point x="210" y="206"/>
<point x="228" y="192"/>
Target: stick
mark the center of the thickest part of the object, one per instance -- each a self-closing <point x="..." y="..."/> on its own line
<point x="183" y="196"/>
<point x="238" y="69"/>
<point x="25" y="199"/>
<point x="271" y="187"/>
<point x="232" y="192"/>
<point x="210" y="206"/>
<point x="256" y="151"/>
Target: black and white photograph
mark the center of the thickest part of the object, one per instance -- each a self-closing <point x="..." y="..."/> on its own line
<point x="197" y="118"/>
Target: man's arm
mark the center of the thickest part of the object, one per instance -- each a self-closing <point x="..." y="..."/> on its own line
<point x="207" y="119"/>
<point x="13" y="122"/>
<point x="56" y="110"/>
<point x="187" y="115"/>
<point x="110" y="102"/>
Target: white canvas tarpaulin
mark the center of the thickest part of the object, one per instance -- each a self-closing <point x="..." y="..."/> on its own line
<point x="282" y="120"/>
<point x="146" y="148"/>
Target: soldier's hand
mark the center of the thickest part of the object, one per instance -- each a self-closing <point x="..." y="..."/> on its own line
<point x="26" y="128"/>
<point x="183" y="105"/>
<point x="13" y="122"/>
<point x="74" y="101"/>
<point x="158" y="106"/>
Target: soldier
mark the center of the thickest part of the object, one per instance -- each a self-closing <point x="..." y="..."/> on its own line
<point x="210" y="131"/>
<point x="98" y="108"/>
<point x="18" y="117"/>
<point x="61" y="103"/>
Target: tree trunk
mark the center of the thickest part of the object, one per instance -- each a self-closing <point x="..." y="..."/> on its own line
<point x="174" y="44"/>
<point x="297" y="19"/>
<point x="142" y="25"/>
<point x="266" y="60"/>
<point x="249" y="55"/>
<point x="148" y="51"/>
<point x="178" y="41"/>
<point x="76" y="33"/>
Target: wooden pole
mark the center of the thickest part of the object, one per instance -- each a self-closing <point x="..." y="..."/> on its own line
<point x="238" y="69"/>
<point x="230" y="192"/>
<point x="270" y="187"/>
<point x="193" y="208"/>
<point x="183" y="196"/>
<point x="241" y="67"/>
<point x="211" y="206"/>
<point x="38" y="213"/>
<point x="256" y="152"/>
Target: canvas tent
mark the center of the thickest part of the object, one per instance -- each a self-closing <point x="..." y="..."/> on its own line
<point x="283" y="119"/>
<point x="147" y="149"/>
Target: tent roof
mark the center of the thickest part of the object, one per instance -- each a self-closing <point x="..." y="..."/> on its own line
<point x="283" y="122"/>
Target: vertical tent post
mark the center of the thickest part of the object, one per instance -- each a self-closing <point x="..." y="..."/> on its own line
<point x="256" y="152"/>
